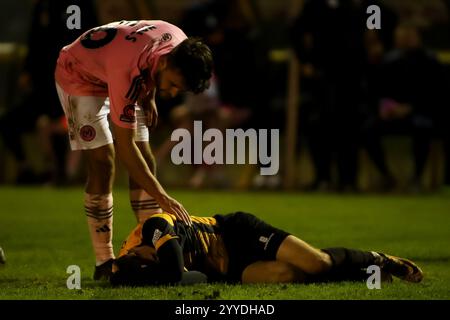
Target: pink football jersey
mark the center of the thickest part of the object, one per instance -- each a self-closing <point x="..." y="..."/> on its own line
<point x="110" y="61"/>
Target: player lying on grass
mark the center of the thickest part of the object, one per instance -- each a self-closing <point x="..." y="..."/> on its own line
<point x="239" y="247"/>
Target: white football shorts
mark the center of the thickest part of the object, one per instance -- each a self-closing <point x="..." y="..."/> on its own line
<point x="88" y="121"/>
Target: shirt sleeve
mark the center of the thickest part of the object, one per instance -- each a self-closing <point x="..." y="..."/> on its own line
<point x="157" y="230"/>
<point x="122" y="95"/>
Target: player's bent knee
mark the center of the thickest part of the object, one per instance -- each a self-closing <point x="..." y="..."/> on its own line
<point x="303" y="256"/>
<point x="100" y="163"/>
<point x="103" y="168"/>
<point x="101" y="159"/>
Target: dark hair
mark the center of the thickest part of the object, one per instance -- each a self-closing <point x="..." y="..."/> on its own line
<point x="194" y="60"/>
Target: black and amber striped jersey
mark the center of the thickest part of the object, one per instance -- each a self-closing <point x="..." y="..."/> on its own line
<point x="202" y="244"/>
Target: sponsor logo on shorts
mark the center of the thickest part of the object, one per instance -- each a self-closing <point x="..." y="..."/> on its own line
<point x="156" y="235"/>
<point x="87" y="133"/>
<point x="129" y="114"/>
<point x="166" y="37"/>
<point x="265" y="240"/>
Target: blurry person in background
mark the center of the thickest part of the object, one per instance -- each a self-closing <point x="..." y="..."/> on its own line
<point x="409" y="90"/>
<point x="377" y="43"/>
<point x="39" y="107"/>
<point x="331" y="55"/>
<point x="204" y="107"/>
<point x="233" y="31"/>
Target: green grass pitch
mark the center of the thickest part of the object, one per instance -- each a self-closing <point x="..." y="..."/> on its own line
<point x="43" y="231"/>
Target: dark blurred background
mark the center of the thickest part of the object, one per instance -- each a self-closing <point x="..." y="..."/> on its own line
<point x="358" y="110"/>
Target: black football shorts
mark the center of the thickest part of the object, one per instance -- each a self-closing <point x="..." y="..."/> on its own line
<point x="247" y="239"/>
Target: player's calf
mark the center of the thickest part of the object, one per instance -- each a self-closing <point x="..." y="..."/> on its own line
<point x="101" y="169"/>
<point x="348" y="264"/>
<point x="99" y="213"/>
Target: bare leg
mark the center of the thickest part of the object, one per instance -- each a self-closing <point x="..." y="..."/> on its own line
<point x="331" y="264"/>
<point x="98" y="204"/>
<point x="303" y="256"/>
<point x="272" y="272"/>
<point x="296" y="260"/>
<point x="101" y="171"/>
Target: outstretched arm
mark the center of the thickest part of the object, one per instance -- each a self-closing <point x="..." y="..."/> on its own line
<point x="138" y="169"/>
<point x="122" y="101"/>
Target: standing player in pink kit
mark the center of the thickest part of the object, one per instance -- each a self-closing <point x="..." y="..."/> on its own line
<point x="117" y="69"/>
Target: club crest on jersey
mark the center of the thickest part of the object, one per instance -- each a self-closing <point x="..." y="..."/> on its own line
<point x="87" y="133"/>
<point x="156" y="235"/>
<point x="129" y="114"/>
<point x="165" y="37"/>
